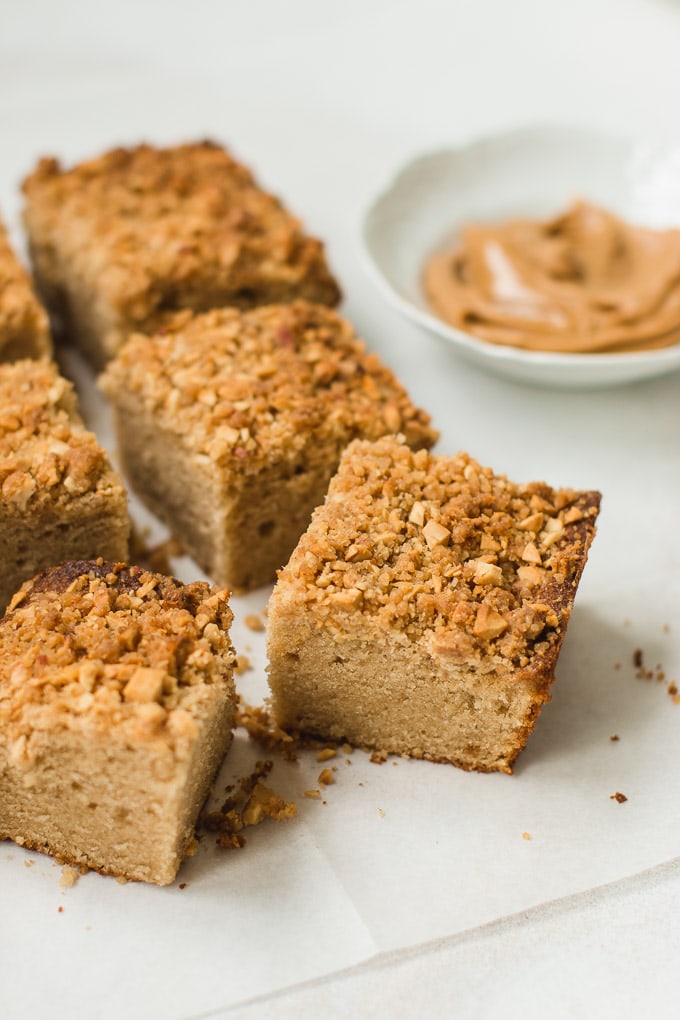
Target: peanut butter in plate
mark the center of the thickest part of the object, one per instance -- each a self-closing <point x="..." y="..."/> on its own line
<point x="583" y="282"/>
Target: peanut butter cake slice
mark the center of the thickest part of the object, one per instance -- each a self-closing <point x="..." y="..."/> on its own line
<point x="120" y="241"/>
<point x="24" y="329"/>
<point x="230" y="425"/>
<point x="423" y="610"/>
<point x="116" y="708"/>
<point x="60" y="498"/>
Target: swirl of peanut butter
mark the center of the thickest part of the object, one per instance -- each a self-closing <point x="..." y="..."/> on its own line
<point x="584" y="282"/>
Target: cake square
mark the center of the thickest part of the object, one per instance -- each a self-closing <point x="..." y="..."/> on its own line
<point x="230" y="425"/>
<point x="423" y="610"/>
<point x="60" y="498"/>
<point x="116" y="708"/>
<point x="120" y="241"/>
<point x="24" y="328"/>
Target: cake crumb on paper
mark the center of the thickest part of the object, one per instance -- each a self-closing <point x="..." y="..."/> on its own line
<point x="326" y="754"/>
<point x="248" y="803"/>
<point x="254" y="622"/>
<point x="69" y="877"/>
<point x="243" y="665"/>
<point x="620" y="798"/>
<point x="526" y="835"/>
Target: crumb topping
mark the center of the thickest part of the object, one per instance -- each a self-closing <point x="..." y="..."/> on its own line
<point x="444" y="549"/>
<point x="20" y="311"/>
<point x="249" y="388"/>
<point x="103" y="647"/>
<point x="46" y="454"/>
<point x="180" y="227"/>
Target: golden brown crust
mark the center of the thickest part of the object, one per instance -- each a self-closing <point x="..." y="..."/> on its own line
<point x="24" y="329"/>
<point x="104" y="648"/>
<point x="47" y="457"/>
<point x="248" y="389"/>
<point x="155" y="230"/>
<point x="442" y="550"/>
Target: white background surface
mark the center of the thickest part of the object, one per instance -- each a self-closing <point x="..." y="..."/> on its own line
<point x="324" y="100"/>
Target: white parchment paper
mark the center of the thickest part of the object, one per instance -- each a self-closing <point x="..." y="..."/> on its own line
<point x="405" y="851"/>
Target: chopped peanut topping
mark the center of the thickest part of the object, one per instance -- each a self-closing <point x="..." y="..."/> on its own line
<point x="465" y="579"/>
<point x="47" y="457"/>
<point x="534" y="522"/>
<point x="531" y="554"/>
<point x="171" y="228"/>
<point x="436" y="534"/>
<point x="102" y="646"/>
<point x="23" y="321"/>
<point x="487" y="573"/>
<point x="145" y="684"/>
<point x="489" y="624"/>
<point x="244" y="389"/>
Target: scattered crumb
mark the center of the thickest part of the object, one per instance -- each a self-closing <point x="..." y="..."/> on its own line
<point x="676" y="699"/>
<point x="666" y="628"/>
<point x="526" y="835"/>
<point x="182" y="885"/>
<point x="60" y="910"/>
<point x="83" y="869"/>
<point x="617" y="665"/>
<point x="614" y="737"/>
<point x="347" y="748"/>
<point x="641" y="671"/>
<point x="347" y="761"/>
<point x="672" y="688"/>
<point x="620" y="798"/>
<point x="88" y="927"/>
<point x="121" y="880"/>
<point x="261" y="728"/>
<point x="326" y="778"/>
<point x="254" y="622"/>
<point x="191" y="848"/>
<point x="248" y="803"/>
<point x="243" y="664"/>
<point x="29" y="864"/>
<point x="313" y="794"/>
<point x="326" y="754"/>
<point x="395" y="762"/>
<point x="379" y="757"/>
<point x="157" y="557"/>
<point x="69" y="877"/>
<point x="381" y="812"/>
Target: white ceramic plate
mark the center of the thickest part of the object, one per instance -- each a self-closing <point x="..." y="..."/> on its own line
<point x="533" y="172"/>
